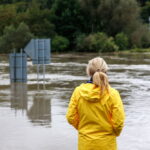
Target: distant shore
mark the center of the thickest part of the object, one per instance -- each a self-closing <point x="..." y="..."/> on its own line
<point x="135" y="50"/>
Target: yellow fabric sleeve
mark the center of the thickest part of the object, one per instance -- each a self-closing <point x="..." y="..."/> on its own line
<point x="72" y="112"/>
<point x="118" y="115"/>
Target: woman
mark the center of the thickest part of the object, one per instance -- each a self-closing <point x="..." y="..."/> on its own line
<point x="96" y="110"/>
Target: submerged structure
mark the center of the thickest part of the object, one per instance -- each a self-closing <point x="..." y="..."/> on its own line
<point x="39" y="52"/>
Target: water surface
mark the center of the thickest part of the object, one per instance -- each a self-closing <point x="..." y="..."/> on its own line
<point x="32" y="115"/>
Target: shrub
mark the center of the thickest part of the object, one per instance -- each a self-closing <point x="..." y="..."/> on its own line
<point x="141" y="37"/>
<point x="122" y="41"/>
<point x="80" y="44"/>
<point x="97" y="42"/>
<point x="109" y="45"/>
<point x="59" y="43"/>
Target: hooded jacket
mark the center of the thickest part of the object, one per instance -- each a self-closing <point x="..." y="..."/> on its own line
<point x="99" y="118"/>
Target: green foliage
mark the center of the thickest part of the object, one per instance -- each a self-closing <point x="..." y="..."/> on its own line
<point x="14" y="38"/>
<point x="39" y="21"/>
<point x="79" y="42"/>
<point x="21" y="7"/>
<point x="69" y="18"/>
<point x="87" y="25"/>
<point x="7" y="16"/>
<point x="122" y="41"/>
<point x="110" y="46"/>
<point x="111" y="16"/>
<point x="97" y="42"/>
<point x="115" y="16"/>
<point x="142" y="2"/>
<point x="145" y="13"/>
<point x="5" y="1"/>
<point x="59" y="43"/>
<point x="45" y="3"/>
<point x="140" y="37"/>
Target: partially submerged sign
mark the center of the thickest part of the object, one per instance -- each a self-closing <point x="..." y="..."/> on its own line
<point x="18" y="67"/>
<point x="39" y="51"/>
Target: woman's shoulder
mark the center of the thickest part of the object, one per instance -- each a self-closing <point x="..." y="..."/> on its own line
<point x="114" y="96"/>
<point x="85" y="85"/>
<point x="113" y="92"/>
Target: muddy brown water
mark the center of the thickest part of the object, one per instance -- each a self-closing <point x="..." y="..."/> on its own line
<point x="32" y="116"/>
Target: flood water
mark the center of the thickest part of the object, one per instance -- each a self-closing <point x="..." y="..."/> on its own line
<point x="32" y="116"/>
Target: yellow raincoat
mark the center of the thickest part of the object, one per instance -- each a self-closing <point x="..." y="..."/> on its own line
<point x="98" y="118"/>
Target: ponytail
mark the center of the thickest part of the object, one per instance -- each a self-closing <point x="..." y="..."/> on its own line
<point x="100" y="79"/>
<point x="97" y="69"/>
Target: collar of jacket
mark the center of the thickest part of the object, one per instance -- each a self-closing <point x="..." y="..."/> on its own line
<point x="90" y="81"/>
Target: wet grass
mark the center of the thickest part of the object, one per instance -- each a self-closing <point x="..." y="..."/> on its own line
<point x="136" y="50"/>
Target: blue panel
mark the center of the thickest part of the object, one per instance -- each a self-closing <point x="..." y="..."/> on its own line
<point x="29" y="49"/>
<point x="18" y="67"/>
<point x="39" y="51"/>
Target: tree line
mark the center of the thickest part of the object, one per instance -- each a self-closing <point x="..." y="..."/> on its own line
<point x="75" y="25"/>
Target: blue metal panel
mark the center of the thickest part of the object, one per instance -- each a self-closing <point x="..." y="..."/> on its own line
<point x="39" y="51"/>
<point x="29" y="49"/>
<point x="18" y="67"/>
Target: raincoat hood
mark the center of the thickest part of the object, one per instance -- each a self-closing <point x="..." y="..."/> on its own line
<point x="90" y="92"/>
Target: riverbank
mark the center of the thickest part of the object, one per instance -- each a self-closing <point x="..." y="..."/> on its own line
<point x="135" y="50"/>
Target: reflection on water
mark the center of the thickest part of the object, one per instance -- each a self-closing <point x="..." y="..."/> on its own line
<point x="40" y="111"/>
<point x="19" y="96"/>
<point x="43" y="121"/>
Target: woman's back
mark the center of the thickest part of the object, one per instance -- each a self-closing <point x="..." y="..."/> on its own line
<point x="96" y="110"/>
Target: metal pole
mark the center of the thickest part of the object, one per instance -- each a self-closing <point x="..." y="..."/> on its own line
<point x="149" y="22"/>
<point x="38" y="66"/>
<point x="43" y="64"/>
<point x="21" y="66"/>
<point x="44" y="68"/>
<point x="14" y="65"/>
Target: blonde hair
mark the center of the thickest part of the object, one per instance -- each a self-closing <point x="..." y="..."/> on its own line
<point x="97" y="69"/>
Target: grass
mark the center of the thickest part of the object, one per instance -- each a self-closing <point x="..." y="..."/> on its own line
<point x="136" y="50"/>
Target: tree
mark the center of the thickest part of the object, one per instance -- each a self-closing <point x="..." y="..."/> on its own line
<point x="45" y="3"/>
<point x="92" y="9"/>
<point x="59" y="43"/>
<point x="69" y="19"/>
<point x="15" y="38"/>
<point x="115" y="16"/>
<point x="145" y="13"/>
<point x="140" y="37"/>
<point x="122" y="41"/>
<point x="97" y="42"/>
<point x="6" y="1"/>
<point x="7" y="16"/>
<point x="38" y="20"/>
<point x="142" y="2"/>
<point x="111" y="16"/>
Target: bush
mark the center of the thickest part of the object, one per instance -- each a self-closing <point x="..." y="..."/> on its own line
<point x="109" y="45"/>
<point x="140" y="38"/>
<point x="15" y="38"/>
<point x="80" y="42"/>
<point x="59" y="43"/>
<point x="98" y="42"/>
<point x="122" y="41"/>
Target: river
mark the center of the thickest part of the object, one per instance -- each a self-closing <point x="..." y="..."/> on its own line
<point x="32" y="116"/>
